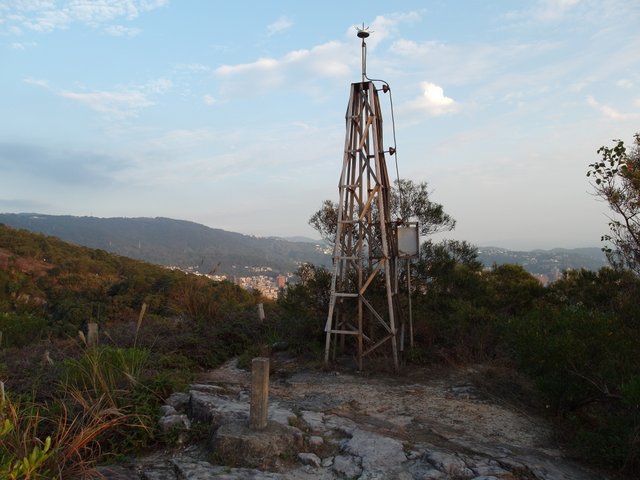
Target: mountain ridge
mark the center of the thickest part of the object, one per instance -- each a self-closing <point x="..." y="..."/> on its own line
<point x="171" y="242"/>
<point x="190" y="245"/>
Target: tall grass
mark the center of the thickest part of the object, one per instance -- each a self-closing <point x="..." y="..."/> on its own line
<point x="106" y="372"/>
<point x="97" y="411"/>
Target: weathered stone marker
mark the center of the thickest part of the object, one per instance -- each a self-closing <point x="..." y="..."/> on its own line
<point x="259" y="407"/>
<point x="261" y="316"/>
<point x="92" y="334"/>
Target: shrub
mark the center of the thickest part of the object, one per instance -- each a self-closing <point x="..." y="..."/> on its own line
<point x="19" y="330"/>
<point x="587" y="366"/>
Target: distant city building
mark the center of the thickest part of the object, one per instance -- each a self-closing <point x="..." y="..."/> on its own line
<point x="267" y="286"/>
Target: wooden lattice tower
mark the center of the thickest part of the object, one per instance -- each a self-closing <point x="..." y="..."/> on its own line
<point x="365" y="253"/>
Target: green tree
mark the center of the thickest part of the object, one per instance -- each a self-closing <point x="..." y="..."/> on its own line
<point x="304" y="306"/>
<point x="409" y="202"/>
<point x="440" y="264"/>
<point x="512" y="290"/>
<point x="616" y="180"/>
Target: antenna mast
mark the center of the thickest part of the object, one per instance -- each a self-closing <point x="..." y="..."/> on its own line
<point x="364" y="309"/>
<point x="363" y="33"/>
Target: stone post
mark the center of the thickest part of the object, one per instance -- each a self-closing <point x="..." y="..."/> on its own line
<point x="92" y="335"/>
<point x="259" y="407"/>
<point x="261" y="316"/>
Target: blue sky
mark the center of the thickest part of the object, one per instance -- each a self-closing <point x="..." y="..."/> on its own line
<point x="231" y="114"/>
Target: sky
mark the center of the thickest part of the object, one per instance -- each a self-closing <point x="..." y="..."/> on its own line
<point x="231" y="114"/>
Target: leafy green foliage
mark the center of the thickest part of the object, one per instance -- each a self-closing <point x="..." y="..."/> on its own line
<point x="512" y="290"/>
<point x="409" y="202"/>
<point x="48" y="287"/>
<point x="20" y="329"/>
<point x="104" y="399"/>
<point x="616" y="180"/>
<point x="581" y="347"/>
<point x="304" y="308"/>
<point x="450" y="319"/>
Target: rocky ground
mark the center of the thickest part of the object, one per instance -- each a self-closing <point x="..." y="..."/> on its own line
<point x="423" y="424"/>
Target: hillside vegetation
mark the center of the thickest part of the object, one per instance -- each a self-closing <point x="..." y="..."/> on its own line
<point x="68" y="404"/>
<point x="165" y="241"/>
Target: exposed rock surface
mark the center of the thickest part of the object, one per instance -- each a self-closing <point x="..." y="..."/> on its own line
<point x="350" y="426"/>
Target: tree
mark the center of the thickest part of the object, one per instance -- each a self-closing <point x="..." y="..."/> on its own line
<point x="616" y="180"/>
<point x="449" y="268"/>
<point x="409" y="202"/>
<point x="325" y="221"/>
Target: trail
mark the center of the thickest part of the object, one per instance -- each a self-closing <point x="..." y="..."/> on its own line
<point x="425" y="424"/>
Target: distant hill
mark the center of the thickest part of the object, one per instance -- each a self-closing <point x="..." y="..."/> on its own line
<point x="180" y="243"/>
<point x="546" y="262"/>
<point x="184" y="244"/>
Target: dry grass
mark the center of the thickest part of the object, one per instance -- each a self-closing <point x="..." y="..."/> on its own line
<point x="62" y="438"/>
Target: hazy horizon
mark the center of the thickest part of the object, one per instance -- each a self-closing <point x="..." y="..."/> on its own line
<point x="316" y="238"/>
<point x="232" y="115"/>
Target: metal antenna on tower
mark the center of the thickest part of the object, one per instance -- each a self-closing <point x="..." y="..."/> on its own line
<point x="363" y="33"/>
<point x="364" y="308"/>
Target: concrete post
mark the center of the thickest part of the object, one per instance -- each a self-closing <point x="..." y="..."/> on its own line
<point x="261" y="316"/>
<point x="259" y="407"/>
<point x="92" y="335"/>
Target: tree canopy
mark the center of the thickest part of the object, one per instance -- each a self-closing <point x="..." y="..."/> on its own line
<point x="616" y="180"/>
<point x="409" y="202"/>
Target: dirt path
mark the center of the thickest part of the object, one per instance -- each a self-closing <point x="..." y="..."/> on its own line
<point x="426" y="424"/>
<point x="428" y="410"/>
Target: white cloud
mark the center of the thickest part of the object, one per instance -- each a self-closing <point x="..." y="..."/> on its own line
<point x="258" y="65"/>
<point x="122" y="31"/>
<point x="550" y="10"/>
<point x="385" y="26"/>
<point x="280" y="25"/>
<point x="610" y="112"/>
<point x="116" y="104"/>
<point x="120" y="103"/>
<point x="22" y="45"/>
<point x="545" y="11"/>
<point x="37" y="82"/>
<point x="624" y="83"/>
<point x="160" y="85"/>
<point x="209" y="100"/>
<point x="433" y="101"/>
<point x="409" y="48"/>
<point x="334" y="59"/>
<point x="327" y="60"/>
<point x="192" y="67"/>
<point x="46" y="16"/>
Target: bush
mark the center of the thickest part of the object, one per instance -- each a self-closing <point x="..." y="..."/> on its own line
<point x="19" y="330"/>
<point x="587" y="367"/>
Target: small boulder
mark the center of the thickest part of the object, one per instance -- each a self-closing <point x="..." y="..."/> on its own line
<point x="315" y="441"/>
<point x="178" y="400"/>
<point x="235" y="443"/>
<point x="168" y="410"/>
<point x="347" y="466"/>
<point x="310" y="459"/>
<point x="169" y="422"/>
